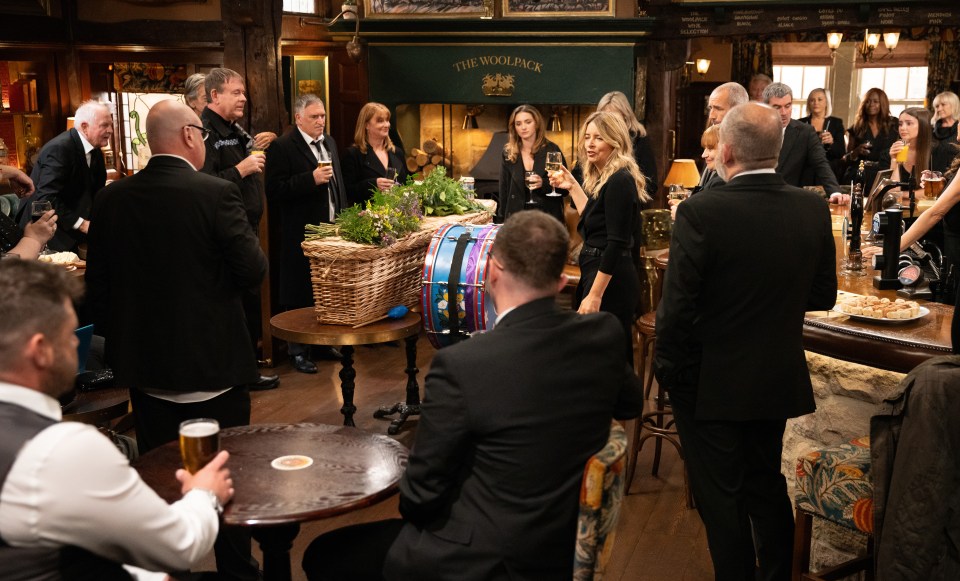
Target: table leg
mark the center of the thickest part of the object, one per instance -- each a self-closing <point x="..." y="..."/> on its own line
<point x="412" y="406"/>
<point x="275" y="542"/>
<point x="347" y="386"/>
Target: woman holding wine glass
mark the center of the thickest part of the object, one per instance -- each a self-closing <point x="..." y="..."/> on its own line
<point x="367" y="164"/>
<point x="523" y="171"/>
<point x="616" y="102"/>
<point x="609" y="206"/>
<point x="829" y="129"/>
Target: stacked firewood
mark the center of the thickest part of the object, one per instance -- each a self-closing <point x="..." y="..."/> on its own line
<point x="429" y="155"/>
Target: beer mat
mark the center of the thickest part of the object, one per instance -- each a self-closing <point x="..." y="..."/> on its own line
<point x="294" y="462"/>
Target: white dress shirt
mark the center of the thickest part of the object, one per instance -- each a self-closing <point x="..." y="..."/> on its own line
<point x="323" y="154"/>
<point x="70" y="485"/>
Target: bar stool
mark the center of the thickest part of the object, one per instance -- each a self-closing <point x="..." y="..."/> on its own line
<point x="834" y="484"/>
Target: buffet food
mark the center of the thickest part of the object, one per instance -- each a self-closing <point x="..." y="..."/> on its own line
<point x="877" y="308"/>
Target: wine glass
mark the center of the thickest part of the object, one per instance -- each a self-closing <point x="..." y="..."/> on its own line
<point x="530" y="179"/>
<point x="554" y="164"/>
<point x="37" y="210"/>
<point x="392" y="174"/>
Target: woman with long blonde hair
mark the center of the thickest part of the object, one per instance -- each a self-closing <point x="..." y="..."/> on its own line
<point x="367" y="161"/>
<point x="616" y="102"/>
<point x="526" y="151"/>
<point x="609" y="205"/>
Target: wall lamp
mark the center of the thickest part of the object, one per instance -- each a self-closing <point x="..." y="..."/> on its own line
<point x="470" y="119"/>
<point x="355" y="46"/>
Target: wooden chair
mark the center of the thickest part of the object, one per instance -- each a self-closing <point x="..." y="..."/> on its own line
<point x="601" y="494"/>
<point x="834" y="484"/>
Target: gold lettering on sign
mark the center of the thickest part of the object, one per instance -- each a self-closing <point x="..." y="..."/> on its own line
<point x="498" y="60"/>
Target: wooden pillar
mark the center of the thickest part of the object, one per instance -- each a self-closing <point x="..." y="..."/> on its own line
<point x="662" y="106"/>
<point x="251" y="46"/>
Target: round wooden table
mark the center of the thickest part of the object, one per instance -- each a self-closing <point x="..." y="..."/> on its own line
<point x="301" y="326"/>
<point x="351" y="469"/>
<point x="98" y="406"/>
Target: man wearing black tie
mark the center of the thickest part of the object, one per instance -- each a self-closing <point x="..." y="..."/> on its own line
<point x="69" y="171"/>
<point x="303" y="179"/>
<point x="233" y="155"/>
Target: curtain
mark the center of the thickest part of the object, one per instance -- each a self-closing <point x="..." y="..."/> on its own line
<point x="751" y="57"/>
<point x="944" y="67"/>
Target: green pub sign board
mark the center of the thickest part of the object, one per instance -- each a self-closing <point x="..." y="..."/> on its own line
<point x="521" y="73"/>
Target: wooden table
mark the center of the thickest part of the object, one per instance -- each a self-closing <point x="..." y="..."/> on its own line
<point x="351" y="469"/>
<point x="98" y="406"/>
<point x="301" y="326"/>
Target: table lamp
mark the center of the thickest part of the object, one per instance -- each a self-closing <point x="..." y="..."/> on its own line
<point x="683" y="172"/>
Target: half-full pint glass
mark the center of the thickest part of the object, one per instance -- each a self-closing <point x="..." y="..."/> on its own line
<point x="199" y="442"/>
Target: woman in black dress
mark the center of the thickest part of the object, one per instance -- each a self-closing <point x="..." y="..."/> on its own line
<point x="609" y="206"/>
<point x="365" y="163"/>
<point x="526" y="150"/>
<point x="946" y="113"/>
<point x="616" y="102"/>
<point x="872" y="133"/>
<point x="830" y="129"/>
<point x="915" y="131"/>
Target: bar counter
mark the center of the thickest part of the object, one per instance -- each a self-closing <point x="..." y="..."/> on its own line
<point x="884" y="345"/>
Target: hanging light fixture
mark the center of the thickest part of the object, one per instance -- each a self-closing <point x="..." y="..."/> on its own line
<point x="871" y="40"/>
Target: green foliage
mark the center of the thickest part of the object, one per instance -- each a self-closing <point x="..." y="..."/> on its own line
<point x="387" y="217"/>
<point x="440" y="195"/>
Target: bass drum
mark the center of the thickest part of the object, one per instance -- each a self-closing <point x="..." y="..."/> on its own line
<point x="457" y="257"/>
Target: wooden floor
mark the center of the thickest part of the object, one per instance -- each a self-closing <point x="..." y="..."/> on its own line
<point x="658" y="538"/>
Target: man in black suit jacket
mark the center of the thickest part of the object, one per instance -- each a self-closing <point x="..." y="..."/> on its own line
<point x="305" y="193"/>
<point x="170" y="253"/>
<point x="729" y="340"/>
<point x="509" y="419"/>
<point x="802" y="161"/>
<point x="69" y="171"/>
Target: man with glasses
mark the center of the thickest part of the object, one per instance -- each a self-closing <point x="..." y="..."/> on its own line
<point x="170" y="255"/>
<point x="236" y="156"/>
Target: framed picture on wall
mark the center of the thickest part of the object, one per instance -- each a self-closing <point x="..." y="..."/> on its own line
<point x="558" y="8"/>
<point x="428" y="8"/>
<point x="310" y="74"/>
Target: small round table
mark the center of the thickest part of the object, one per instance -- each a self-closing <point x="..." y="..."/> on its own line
<point x="98" y="406"/>
<point x="301" y="326"/>
<point x="351" y="469"/>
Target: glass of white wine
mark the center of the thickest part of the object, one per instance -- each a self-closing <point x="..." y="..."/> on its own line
<point x="530" y="179"/>
<point x="554" y="164"/>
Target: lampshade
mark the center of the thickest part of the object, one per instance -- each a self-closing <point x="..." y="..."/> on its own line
<point x="872" y="39"/>
<point x="683" y="172"/>
<point x="891" y="39"/>
<point x="703" y="65"/>
<point x="833" y="40"/>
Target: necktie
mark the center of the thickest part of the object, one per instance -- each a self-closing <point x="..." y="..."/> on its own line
<point x="322" y="155"/>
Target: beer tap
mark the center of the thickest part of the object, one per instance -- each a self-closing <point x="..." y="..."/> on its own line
<point x="891" y="225"/>
<point x="854" y="265"/>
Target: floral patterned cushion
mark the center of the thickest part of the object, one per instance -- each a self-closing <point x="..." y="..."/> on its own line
<point x="834" y="483"/>
<point x="600" y="496"/>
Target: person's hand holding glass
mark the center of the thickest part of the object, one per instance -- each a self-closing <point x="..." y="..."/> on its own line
<point x="384" y="184"/>
<point x="532" y="181"/>
<point x="554" y="164"/>
<point x="37" y="211"/>
<point x="203" y="461"/>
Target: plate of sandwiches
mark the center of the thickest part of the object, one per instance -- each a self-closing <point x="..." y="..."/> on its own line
<point x="876" y="310"/>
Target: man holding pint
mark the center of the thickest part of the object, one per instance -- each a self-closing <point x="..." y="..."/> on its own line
<point x="70" y="504"/>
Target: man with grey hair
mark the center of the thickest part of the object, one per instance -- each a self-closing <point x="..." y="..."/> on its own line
<point x="729" y="340"/>
<point x="758" y="83"/>
<point x="69" y="171"/>
<point x="236" y="156"/>
<point x="803" y="161"/>
<point x="722" y="99"/>
<point x="307" y="191"/>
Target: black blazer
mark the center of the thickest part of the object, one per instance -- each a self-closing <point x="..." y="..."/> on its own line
<point x="361" y="170"/>
<point x="513" y="190"/>
<point x="709" y="180"/>
<point x="643" y="155"/>
<point x="802" y="159"/>
<point x="63" y="178"/>
<point x="489" y="494"/>
<point x="291" y="190"/>
<point x="730" y="324"/>
<point x="170" y="253"/>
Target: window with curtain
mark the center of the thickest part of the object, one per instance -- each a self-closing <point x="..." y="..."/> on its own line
<point x="300" y="6"/>
<point x="904" y="86"/>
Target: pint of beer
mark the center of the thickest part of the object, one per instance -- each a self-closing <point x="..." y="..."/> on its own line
<point x="932" y="182"/>
<point x="325" y="163"/>
<point x="199" y="442"/>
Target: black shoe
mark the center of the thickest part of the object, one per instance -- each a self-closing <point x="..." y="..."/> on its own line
<point x="327" y="353"/>
<point x="302" y="364"/>
<point x="264" y="383"/>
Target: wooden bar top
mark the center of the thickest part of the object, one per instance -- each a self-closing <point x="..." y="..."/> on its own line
<point x="885" y="345"/>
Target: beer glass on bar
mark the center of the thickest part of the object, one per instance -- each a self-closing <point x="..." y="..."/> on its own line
<point x="199" y="442"/>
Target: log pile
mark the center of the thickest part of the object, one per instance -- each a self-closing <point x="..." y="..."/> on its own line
<point x="429" y="155"/>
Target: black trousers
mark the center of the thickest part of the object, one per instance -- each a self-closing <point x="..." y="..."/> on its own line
<point x="354" y="553"/>
<point x="740" y="492"/>
<point x="157" y="421"/>
<point x="620" y="296"/>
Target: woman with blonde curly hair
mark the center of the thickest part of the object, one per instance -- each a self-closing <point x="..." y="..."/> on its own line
<point x="526" y="151"/>
<point x="609" y="206"/>
<point x="365" y="163"/>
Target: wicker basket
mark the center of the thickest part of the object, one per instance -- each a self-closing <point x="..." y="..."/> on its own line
<point x="355" y="283"/>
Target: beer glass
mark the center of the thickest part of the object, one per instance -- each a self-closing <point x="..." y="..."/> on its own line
<point x="199" y="442"/>
<point x="932" y="184"/>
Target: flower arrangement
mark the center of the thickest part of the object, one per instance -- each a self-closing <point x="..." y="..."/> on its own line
<point x="385" y="218"/>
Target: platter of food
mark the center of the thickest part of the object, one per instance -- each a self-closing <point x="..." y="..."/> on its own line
<point x="876" y="310"/>
<point x="68" y="260"/>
